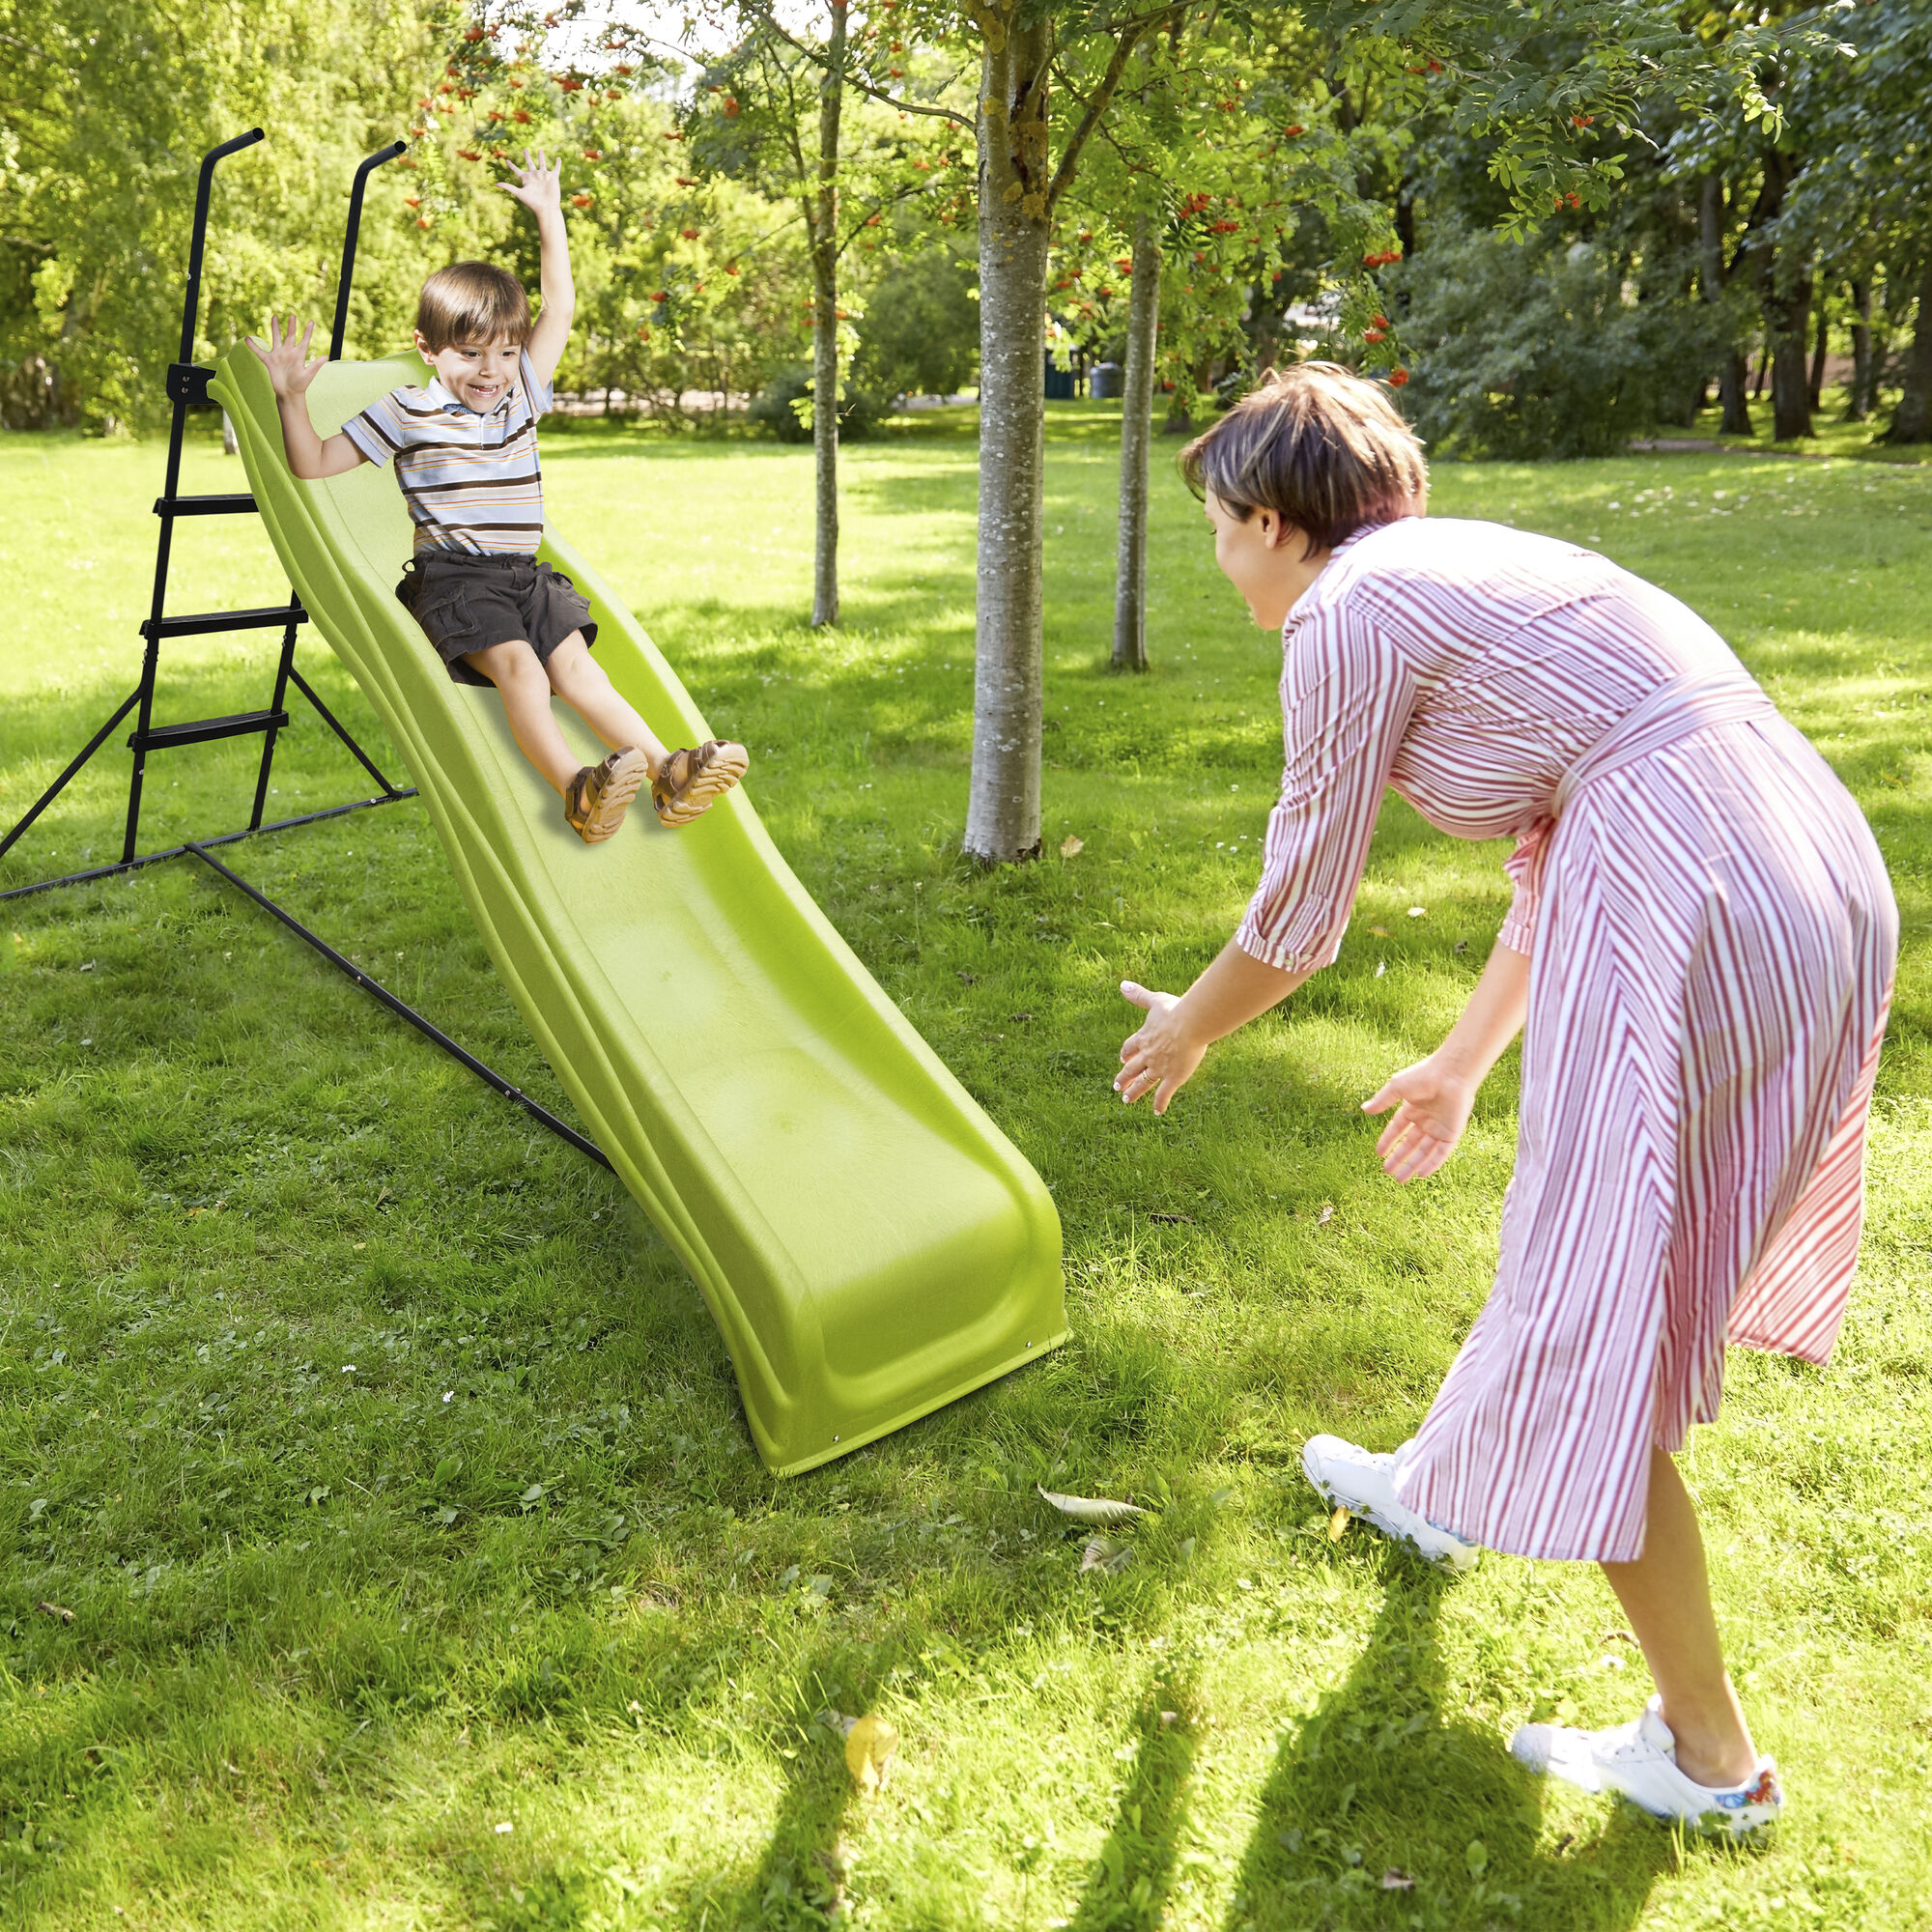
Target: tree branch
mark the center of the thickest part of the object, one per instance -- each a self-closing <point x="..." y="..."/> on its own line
<point x="1130" y="35"/>
<point x="852" y="80"/>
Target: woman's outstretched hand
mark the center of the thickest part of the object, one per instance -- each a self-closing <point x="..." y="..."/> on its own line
<point x="286" y="360"/>
<point x="1432" y="1108"/>
<point x="1161" y="1057"/>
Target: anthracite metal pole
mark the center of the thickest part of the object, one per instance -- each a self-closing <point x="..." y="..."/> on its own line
<point x="181" y="383"/>
<point x="362" y="175"/>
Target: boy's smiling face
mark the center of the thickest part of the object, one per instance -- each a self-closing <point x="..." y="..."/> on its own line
<point x="478" y="375"/>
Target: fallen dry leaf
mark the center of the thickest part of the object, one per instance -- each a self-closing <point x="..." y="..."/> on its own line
<point x="1171" y="1220"/>
<point x="1337" y="1523"/>
<point x="1395" y="1879"/>
<point x="1325" y="1214"/>
<point x="1418" y="912"/>
<point x="1102" y="1553"/>
<point x="1380" y="932"/>
<point x="1072" y="846"/>
<point x="869" y="1744"/>
<point x="60" y="1612"/>
<point x="1102" y="1510"/>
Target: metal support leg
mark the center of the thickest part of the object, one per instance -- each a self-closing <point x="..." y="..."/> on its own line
<point x="488" y="1075"/>
<point x="283" y="665"/>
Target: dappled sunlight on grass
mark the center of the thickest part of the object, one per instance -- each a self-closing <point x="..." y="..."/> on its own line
<point x="396" y="1480"/>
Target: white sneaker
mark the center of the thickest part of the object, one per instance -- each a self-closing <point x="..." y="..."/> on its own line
<point x="1638" y="1761"/>
<point x="1364" y="1485"/>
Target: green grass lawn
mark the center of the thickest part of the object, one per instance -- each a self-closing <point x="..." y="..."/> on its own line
<point x="420" y="1571"/>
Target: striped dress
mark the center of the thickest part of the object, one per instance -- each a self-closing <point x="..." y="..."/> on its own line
<point x="1713" y="941"/>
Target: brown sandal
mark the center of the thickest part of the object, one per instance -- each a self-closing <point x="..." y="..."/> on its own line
<point x="599" y="795"/>
<point x="690" y="782"/>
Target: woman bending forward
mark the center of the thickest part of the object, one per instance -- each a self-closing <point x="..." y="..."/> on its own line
<point x="1701" y="942"/>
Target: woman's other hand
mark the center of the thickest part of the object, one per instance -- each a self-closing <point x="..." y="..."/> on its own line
<point x="1431" y="1104"/>
<point x="1161" y="1057"/>
<point x="286" y="358"/>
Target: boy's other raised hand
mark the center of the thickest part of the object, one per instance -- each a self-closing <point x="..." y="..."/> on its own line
<point x="286" y="360"/>
<point x="538" y="183"/>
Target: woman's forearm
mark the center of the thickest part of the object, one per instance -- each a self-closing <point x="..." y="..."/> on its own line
<point x="1235" y="988"/>
<point x="1492" y="1019"/>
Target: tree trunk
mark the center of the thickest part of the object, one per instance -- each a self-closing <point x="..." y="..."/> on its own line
<point x="1731" y="372"/>
<point x="1815" y="387"/>
<point x="1911" y="419"/>
<point x="1790" y="380"/>
<point x="825" y="331"/>
<point x="1002" y="809"/>
<point x="1763" y="369"/>
<point x="1136" y="438"/>
<point x="1784" y="293"/>
<point x="1857" y="409"/>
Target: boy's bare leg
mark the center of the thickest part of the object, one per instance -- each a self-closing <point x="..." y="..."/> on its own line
<point x="513" y="668"/>
<point x="581" y="681"/>
<point x="1666" y="1595"/>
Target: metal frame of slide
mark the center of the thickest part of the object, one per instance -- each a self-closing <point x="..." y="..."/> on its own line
<point x="187" y="388"/>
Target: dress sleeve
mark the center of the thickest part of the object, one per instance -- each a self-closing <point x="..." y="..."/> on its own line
<point x="1524" y="866"/>
<point x="1347" y="696"/>
<point x="381" y="431"/>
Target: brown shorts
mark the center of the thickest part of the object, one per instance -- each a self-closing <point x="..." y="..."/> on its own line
<point x="466" y="603"/>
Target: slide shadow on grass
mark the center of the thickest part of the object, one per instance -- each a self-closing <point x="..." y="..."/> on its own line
<point x="1386" y="1808"/>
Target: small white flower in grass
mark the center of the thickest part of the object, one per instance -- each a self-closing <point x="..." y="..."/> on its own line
<point x="1418" y="912"/>
<point x="504" y="1828"/>
<point x="349" y="1368"/>
<point x="450" y="1395"/>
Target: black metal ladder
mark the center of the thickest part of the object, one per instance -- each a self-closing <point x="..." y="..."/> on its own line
<point x="187" y="388"/>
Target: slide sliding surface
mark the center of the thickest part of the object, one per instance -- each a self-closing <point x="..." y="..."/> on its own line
<point x="869" y="1243"/>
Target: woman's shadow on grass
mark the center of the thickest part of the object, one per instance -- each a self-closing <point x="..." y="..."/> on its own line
<point x="1134" y="1872"/>
<point x="1386" y="1808"/>
<point x="800" y="1881"/>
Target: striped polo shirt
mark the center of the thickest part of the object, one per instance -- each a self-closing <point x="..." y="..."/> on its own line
<point x="471" y="481"/>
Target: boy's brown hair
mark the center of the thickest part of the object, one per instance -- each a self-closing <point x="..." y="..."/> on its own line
<point x="1320" y="445"/>
<point x="473" y="301"/>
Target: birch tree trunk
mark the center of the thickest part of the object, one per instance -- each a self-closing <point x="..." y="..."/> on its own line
<point x="825" y="330"/>
<point x="1136" y="440"/>
<point x="1003" y="808"/>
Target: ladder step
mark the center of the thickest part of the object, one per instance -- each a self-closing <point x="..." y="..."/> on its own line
<point x="236" y="503"/>
<point x="206" y="621"/>
<point x="159" y="737"/>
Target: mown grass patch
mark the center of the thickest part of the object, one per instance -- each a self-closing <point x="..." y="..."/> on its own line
<point x="395" y="1478"/>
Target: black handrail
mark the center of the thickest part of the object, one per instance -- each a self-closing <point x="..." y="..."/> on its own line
<point x="202" y="193"/>
<point x="179" y="387"/>
<point x="362" y="174"/>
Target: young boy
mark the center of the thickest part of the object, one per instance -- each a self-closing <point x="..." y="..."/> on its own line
<point x="466" y="453"/>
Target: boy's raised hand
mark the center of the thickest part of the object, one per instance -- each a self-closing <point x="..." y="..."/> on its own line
<point x="286" y="360"/>
<point x="538" y="183"/>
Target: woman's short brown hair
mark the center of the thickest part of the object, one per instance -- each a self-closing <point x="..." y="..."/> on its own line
<point x="1320" y="445"/>
<point x="473" y="302"/>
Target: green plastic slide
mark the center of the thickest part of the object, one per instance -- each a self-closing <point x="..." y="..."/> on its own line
<point x="869" y="1243"/>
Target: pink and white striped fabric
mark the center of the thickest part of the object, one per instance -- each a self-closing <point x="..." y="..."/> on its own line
<point x="1714" y="938"/>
